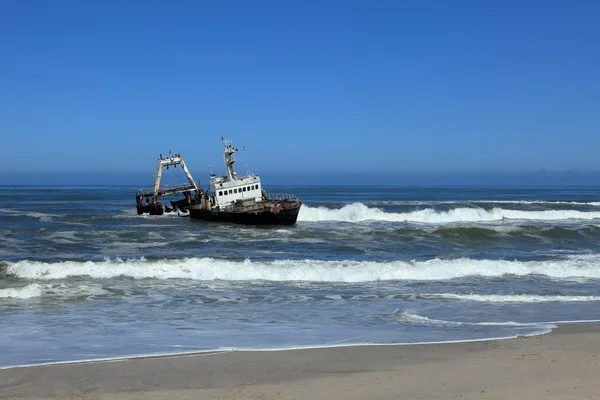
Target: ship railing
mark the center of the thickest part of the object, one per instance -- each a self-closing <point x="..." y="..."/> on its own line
<point x="281" y="196"/>
<point x="246" y="176"/>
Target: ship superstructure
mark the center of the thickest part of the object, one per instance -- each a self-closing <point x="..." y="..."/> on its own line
<point x="226" y="190"/>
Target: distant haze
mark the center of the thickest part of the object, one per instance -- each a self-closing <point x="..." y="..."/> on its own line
<point x="539" y="178"/>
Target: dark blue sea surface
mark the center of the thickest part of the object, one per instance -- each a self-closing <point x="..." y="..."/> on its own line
<point x="82" y="276"/>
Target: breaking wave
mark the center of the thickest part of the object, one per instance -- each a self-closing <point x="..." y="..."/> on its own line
<point x="358" y="212"/>
<point x="490" y="201"/>
<point x="401" y="315"/>
<point x="61" y="290"/>
<point x="24" y="292"/>
<point x="495" y="298"/>
<point x="209" y="269"/>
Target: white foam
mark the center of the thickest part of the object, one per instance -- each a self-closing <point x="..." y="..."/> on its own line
<point x="430" y="296"/>
<point x="44" y="217"/>
<point x="209" y="269"/>
<point x="24" y="292"/>
<point x="490" y="201"/>
<point x="494" y="298"/>
<point x="65" y="290"/>
<point x="573" y="322"/>
<point x="590" y="257"/>
<point x="358" y="212"/>
<point x="65" y="237"/>
<point x="36" y="290"/>
<point x="419" y="319"/>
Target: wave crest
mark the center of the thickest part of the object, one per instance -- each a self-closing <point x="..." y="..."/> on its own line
<point x="520" y="298"/>
<point x="358" y="212"/>
<point x="209" y="269"/>
<point x="24" y="292"/>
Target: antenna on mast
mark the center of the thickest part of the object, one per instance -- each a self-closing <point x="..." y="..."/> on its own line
<point x="246" y="159"/>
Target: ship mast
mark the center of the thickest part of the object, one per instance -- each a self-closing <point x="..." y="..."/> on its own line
<point x="228" y="153"/>
<point x="172" y="160"/>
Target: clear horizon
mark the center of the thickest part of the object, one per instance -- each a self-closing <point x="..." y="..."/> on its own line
<point x="467" y="179"/>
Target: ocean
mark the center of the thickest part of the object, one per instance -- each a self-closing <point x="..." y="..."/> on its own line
<point x="83" y="277"/>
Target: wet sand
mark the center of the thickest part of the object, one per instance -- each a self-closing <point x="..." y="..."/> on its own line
<point x="564" y="364"/>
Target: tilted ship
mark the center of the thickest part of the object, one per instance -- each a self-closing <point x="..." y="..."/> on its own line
<point x="230" y="198"/>
<point x="148" y="200"/>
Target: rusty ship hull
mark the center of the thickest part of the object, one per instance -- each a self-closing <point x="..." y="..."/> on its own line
<point x="273" y="213"/>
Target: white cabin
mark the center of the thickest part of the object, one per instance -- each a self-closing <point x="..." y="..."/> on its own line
<point x="225" y="190"/>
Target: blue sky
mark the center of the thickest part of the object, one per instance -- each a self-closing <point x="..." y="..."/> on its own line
<point x="370" y="87"/>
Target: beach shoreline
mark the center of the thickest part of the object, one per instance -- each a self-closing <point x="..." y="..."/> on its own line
<point x="562" y="364"/>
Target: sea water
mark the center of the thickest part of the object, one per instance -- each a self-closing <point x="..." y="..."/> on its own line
<point x="82" y="276"/>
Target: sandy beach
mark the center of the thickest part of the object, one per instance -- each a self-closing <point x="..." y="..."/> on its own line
<point x="564" y="364"/>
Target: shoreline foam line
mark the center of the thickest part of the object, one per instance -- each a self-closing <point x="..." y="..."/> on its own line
<point x="550" y="326"/>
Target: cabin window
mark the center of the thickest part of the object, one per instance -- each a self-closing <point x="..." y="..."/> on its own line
<point x="244" y="189"/>
<point x="252" y="187"/>
<point x="221" y="193"/>
<point x="234" y="190"/>
<point x="230" y="191"/>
